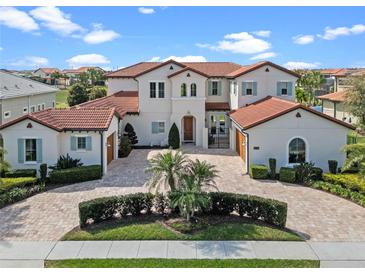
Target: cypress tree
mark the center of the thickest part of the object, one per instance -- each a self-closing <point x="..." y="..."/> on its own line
<point x="174" y="137"/>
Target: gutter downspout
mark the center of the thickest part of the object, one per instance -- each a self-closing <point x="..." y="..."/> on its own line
<point x="102" y="152"/>
<point x="334" y="110"/>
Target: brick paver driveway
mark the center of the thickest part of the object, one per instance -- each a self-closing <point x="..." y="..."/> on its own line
<point x="317" y="215"/>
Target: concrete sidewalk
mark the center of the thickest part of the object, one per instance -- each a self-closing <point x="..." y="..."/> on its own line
<point x="331" y="254"/>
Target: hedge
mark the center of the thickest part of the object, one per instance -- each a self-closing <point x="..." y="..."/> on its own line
<point x="259" y="172"/>
<point x="287" y="174"/>
<point x="7" y="184"/>
<point x="270" y="211"/>
<point x="338" y="190"/>
<point x="105" y="208"/>
<point x="18" y="193"/>
<point x="16" y="173"/>
<point x="75" y="174"/>
<point x="350" y="181"/>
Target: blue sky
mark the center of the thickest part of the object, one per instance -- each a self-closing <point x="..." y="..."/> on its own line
<point x="112" y="37"/>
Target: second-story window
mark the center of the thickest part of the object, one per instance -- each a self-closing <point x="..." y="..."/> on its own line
<point x="152" y="90"/>
<point x="249" y="88"/>
<point x="193" y="90"/>
<point x="183" y="90"/>
<point x="214" y="88"/>
<point x="161" y="90"/>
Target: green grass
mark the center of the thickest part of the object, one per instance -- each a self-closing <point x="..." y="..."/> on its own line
<point x="61" y="98"/>
<point x="157" y="231"/>
<point x="174" y="263"/>
<point x="354" y="135"/>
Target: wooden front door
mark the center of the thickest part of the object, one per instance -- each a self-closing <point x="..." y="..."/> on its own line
<point x="241" y="145"/>
<point x="110" y="148"/>
<point x="188" y="128"/>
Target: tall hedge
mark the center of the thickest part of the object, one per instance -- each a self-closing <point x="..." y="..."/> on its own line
<point x="174" y="137"/>
<point x="75" y="174"/>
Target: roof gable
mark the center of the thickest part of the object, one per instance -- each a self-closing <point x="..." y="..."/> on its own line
<point x="338" y="96"/>
<point x="188" y="69"/>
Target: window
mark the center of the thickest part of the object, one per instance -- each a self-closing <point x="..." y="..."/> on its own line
<point x="7" y="114"/>
<point x="152" y="90"/>
<point x="32" y="109"/>
<point x="25" y="110"/>
<point x="183" y="90"/>
<point x="214" y="87"/>
<point x="43" y="106"/>
<point x="297" y="151"/>
<point x="53" y="104"/>
<point x="158" y="127"/>
<point x="81" y="143"/>
<point x="284" y="88"/>
<point x="249" y="88"/>
<point x="30" y="150"/>
<point x="193" y="90"/>
<point x="39" y="107"/>
<point x="161" y="90"/>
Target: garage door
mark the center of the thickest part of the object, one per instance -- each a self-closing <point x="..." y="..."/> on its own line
<point x="110" y="149"/>
<point x="241" y="144"/>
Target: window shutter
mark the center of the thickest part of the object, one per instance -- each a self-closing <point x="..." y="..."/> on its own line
<point x="278" y="88"/>
<point x="73" y="143"/>
<point x="88" y="143"/>
<point x="39" y="150"/>
<point x="20" y="151"/>
<point x="254" y="88"/>
<point x="220" y="88"/>
<point x="290" y="88"/>
<point x="209" y="88"/>
<point x="244" y="88"/>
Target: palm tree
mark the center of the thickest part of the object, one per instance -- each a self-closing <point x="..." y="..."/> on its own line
<point x="189" y="198"/>
<point x="203" y="172"/>
<point x="355" y="156"/>
<point x="166" y="169"/>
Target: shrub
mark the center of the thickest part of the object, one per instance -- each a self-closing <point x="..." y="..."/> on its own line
<point x="97" y="92"/>
<point x="18" y="193"/>
<point x="78" y="94"/>
<point x="304" y="173"/>
<point x="16" y="173"/>
<point x="124" y="147"/>
<point x="7" y="184"/>
<point x="332" y="166"/>
<point x="287" y="174"/>
<point x="131" y="134"/>
<point x="75" y="175"/>
<point x="258" y="172"/>
<point x="317" y="173"/>
<point x="43" y="172"/>
<point x="160" y="203"/>
<point x="272" y="165"/>
<point x="351" y="181"/>
<point x="105" y="208"/>
<point x="222" y="203"/>
<point x="174" y="137"/>
<point x="66" y="162"/>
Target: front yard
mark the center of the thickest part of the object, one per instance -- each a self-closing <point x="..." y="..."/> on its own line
<point x="61" y="98"/>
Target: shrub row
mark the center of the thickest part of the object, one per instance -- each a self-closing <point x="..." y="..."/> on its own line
<point x="350" y="181"/>
<point x="75" y="175"/>
<point x="287" y="175"/>
<point x="338" y="190"/>
<point x="7" y="184"/>
<point x="259" y="172"/>
<point x="17" y="194"/>
<point x="270" y="211"/>
<point x="105" y="208"/>
<point x="16" y="173"/>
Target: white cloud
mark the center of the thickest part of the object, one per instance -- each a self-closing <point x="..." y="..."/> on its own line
<point x="13" y="18"/>
<point x="265" y="55"/>
<point x="87" y="59"/>
<point x="263" y="33"/>
<point x="54" y="19"/>
<point x="188" y="58"/>
<point x="303" y="39"/>
<point x="1" y="48"/>
<point x="301" y="65"/>
<point x="242" y="42"/>
<point x="331" y="34"/>
<point x="146" y="10"/>
<point x="99" y="35"/>
<point x="30" y="61"/>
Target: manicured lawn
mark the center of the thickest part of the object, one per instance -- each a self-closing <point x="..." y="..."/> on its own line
<point x="157" y="231"/>
<point x="174" y="263"/>
<point x="355" y="135"/>
<point x="61" y="98"/>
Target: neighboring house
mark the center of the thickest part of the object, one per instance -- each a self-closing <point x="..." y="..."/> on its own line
<point x="89" y="134"/>
<point x="330" y="84"/>
<point x="74" y="74"/>
<point x="45" y="74"/>
<point x="333" y="104"/>
<point x="19" y="96"/>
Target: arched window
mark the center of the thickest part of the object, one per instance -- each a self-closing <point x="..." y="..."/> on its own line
<point x="183" y="90"/>
<point x="297" y="151"/>
<point x="193" y="89"/>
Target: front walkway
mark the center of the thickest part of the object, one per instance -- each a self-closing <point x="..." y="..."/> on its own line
<point x="317" y="215"/>
<point x="28" y="254"/>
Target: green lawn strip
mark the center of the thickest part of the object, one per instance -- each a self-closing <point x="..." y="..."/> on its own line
<point x="157" y="231"/>
<point x="61" y="98"/>
<point x="175" y="263"/>
<point x="353" y="134"/>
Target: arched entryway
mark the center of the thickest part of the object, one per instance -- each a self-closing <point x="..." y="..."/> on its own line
<point x="188" y="129"/>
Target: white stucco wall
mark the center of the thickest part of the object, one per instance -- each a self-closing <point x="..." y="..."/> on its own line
<point x="341" y="112"/>
<point x="224" y="97"/>
<point x="324" y="139"/>
<point x="266" y="84"/>
<point x="118" y="84"/>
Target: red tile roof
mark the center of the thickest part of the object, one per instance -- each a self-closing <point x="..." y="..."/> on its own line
<point x="80" y="70"/>
<point x="70" y="119"/>
<point x="122" y="101"/>
<point x="338" y="96"/>
<point x="270" y="108"/>
<point x="330" y="71"/>
<point x="187" y="69"/>
<point x="217" y="106"/>
<point x="48" y="70"/>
